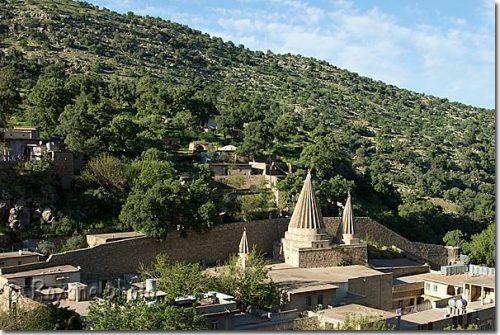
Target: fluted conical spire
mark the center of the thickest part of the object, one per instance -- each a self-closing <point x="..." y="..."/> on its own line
<point x="243" y="249"/>
<point x="306" y="213"/>
<point x="347" y="217"/>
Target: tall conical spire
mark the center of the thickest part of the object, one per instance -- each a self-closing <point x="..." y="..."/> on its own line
<point x="306" y="214"/>
<point x="347" y="217"/>
<point x="243" y="249"/>
<point x="348" y="223"/>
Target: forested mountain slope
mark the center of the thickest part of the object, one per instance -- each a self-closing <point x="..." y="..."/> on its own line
<point x="418" y="163"/>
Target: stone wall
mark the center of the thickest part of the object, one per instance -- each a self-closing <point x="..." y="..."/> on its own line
<point x="400" y="271"/>
<point x="248" y="181"/>
<point x="334" y="256"/>
<point x="370" y="230"/>
<point x="376" y="289"/>
<point x="126" y="256"/>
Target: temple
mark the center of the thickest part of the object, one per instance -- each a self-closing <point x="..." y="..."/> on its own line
<point x="306" y="243"/>
<point x="348" y="223"/>
<point x="243" y="250"/>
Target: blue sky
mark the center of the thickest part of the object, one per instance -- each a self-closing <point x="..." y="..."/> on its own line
<point x="445" y="48"/>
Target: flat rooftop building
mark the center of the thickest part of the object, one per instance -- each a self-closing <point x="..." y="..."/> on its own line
<point x="337" y="315"/>
<point x="18" y="258"/>
<point x="309" y="287"/>
<point x="46" y="277"/>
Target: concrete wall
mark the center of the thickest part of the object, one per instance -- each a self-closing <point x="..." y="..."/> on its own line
<point x="126" y="256"/>
<point x="487" y="315"/>
<point x="441" y="289"/>
<point x="48" y="280"/>
<point x="298" y="301"/>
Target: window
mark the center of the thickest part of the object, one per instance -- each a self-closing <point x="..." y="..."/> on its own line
<point x="308" y="300"/>
<point x="215" y="324"/>
<point x="28" y="281"/>
<point x="13" y="306"/>
<point x="412" y="301"/>
<point x="427" y="286"/>
<point x="320" y="299"/>
<point x="435" y="287"/>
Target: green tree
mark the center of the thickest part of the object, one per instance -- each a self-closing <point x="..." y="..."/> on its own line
<point x="257" y="138"/>
<point x="251" y="286"/>
<point x="455" y="238"/>
<point x="45" y="103"/>
<point x="160" y="202"/>
<point x="115" y="313"/>
<point x="123" y="135"/>
<point x="178" y="279"/>
<point x="43" y="317"/>
<point x="82" y="124"/>
<point x="352" y="322"/>
<point x="73" y="243"/>
<point x="291" y="186"/>
<point x="361" y="322"/>
<point x="470" y="326"/>
<point x="333" y="190"/>
<point x="481" y="248"/>
<point x="326" y="157"/>
<point x="9" y="94"/>
<point x="106" y="180"/>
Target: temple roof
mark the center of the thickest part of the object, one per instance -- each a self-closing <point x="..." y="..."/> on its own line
<point x="243" y="249"/>
<point x="306" y="214"/>
<point x="347" y="217"/>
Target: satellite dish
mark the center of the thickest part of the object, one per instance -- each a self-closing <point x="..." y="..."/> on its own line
<point x="451" y="303"/>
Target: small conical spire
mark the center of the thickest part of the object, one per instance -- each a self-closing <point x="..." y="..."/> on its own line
<point x="347" y="217"/>
<point x="306" y="213"/>
<point x="243" y="249"/>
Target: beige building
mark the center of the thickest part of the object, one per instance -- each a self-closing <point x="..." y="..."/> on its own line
<point x="435" y="289"/>
<point x="306" y="288"/>
<point x="31" y="280"/>
<point x="335" y="317"/>
<point x="18" y="258"/>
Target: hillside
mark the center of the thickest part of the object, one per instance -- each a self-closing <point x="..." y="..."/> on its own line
<point x="415" y="161"/>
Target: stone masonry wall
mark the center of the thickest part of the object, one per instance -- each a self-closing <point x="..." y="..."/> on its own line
<point x="376" y="289"/>
<point x="370" y="230"/>
<point x="126" y="256"/>
<point x="401" y="271"/>
<point x="313" y="258"/>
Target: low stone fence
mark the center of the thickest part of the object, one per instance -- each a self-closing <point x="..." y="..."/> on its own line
<point x="216" y="245"/>
<point x="400" y="271"/>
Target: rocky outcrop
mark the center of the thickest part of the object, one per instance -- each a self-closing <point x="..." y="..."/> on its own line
<point x="20" y="212"/>
<point x="19" y="217"/>
<point x="48" y="215"/>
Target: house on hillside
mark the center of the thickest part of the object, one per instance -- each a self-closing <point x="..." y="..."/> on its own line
<point x="18" y="258"/>
<point x="19" y="143"/>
